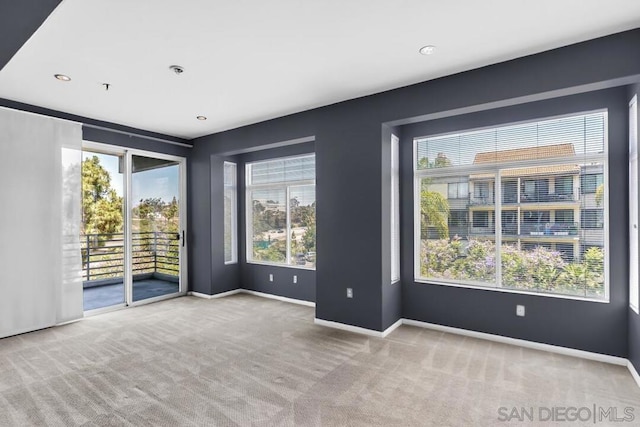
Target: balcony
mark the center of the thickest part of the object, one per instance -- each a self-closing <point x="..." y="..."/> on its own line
<point x="155" y="266"/>
<point x="553" y="229"/>
<point x="512" y="199"/>
<point x="542" y="198"/>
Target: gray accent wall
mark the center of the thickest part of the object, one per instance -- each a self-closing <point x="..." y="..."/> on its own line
<point x="18" y="21"/>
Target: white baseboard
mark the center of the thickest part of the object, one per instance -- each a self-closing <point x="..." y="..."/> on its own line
<point x="214" y="296"/>
<point x="278" y="297"/>
<point x="522" y="343"/>
<point x="633" y="371"/>
<point x="349" y="328"/>
<point x="256" y="293"/>
<point x="392" y="328"/>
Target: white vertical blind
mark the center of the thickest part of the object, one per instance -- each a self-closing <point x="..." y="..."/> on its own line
<point x="633" y="204"/>
<point x="40" y="171"/>
<point x="395" y="209"/>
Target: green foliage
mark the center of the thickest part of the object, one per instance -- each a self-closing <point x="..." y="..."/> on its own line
<point x="434" y="209"/>
<point x="600" y="194"/>
<point x="276" y="251"/>
<point x="101" y="205"/>
<point x="539" y="269"/>
<point x="267" y="219"/>
<point x="154" y="214"/>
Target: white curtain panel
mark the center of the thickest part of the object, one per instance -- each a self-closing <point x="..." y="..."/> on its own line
<point x="40" y="214"/>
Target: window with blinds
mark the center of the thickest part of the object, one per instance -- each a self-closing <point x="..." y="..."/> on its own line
<point x="281" y="211"/>
<point x="520" y="207"/>
<point x="230" y="213"/>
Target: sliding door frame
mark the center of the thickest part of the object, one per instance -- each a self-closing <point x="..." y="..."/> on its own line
<point x="127" y="154"/>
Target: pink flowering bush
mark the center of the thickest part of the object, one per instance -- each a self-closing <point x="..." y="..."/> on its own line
<point x="538" y="269"/>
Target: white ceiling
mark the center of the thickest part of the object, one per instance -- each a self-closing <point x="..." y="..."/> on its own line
<point x="252" y="60"/>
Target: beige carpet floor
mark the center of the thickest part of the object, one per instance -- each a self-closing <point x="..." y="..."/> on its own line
<point x="244" y="360"/>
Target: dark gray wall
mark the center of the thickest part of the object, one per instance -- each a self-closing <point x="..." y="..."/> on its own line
<point x="351" y="192"/>
<point x="18" y="21"/>
<point x="589" y="326"/>
<point x="634" y="319"/>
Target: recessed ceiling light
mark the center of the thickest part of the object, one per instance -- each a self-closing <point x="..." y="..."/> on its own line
<point x="177" y="69"/>
<point x="427" y="50"/>
<point x="62" y="77"/>
<point x="201" y="118"/>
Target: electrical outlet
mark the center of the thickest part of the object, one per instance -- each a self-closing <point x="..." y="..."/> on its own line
<point x="520" y="310"/>
<point x="295" y="279"/>
<point x="271" y="277"/>
<point x="349" y="292"/>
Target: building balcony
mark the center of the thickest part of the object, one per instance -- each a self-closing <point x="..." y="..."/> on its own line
<point x="546" y="230"/>
<point x="558" y="199"/>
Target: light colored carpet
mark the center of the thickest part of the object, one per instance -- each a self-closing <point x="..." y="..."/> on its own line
<point x="245" y="360"/>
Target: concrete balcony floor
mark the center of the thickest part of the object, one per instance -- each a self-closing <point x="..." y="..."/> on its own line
<point x="109" y="295"/>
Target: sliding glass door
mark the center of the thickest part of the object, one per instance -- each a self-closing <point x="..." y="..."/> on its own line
<point x="133" y="226"/>
<point x="156" y="234"/>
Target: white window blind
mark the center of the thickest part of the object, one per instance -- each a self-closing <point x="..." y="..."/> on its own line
<point x="503" y="207"/>
<point x="548" y="139"/>
<point x="633" y="204"/>
<point x="395" y="209"/>
<point x="230" y="213"/>
<point x="284" y="170"/>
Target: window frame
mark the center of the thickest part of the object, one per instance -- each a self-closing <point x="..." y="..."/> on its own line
<point x="496" y="169"/>
<point x="279" y="186"/>
<point x="234" y="212"/>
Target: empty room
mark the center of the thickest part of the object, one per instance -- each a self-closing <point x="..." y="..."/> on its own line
<point x="319" y="213"/>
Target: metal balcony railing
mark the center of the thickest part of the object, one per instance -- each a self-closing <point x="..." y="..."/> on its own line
<point x="152" y="252"/>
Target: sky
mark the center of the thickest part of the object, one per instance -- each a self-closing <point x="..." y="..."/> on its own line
<point x="162" y="182"/>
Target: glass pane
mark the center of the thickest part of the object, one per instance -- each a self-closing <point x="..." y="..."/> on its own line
<point x="457" y="234"/>
<point x="102" y="239"/>
<point x="230" y="194"/>
<point x="269" y="225"/>
<point x="553" y="235"/>
<point x="302" y="203"/>
<point x="155" y="227"/>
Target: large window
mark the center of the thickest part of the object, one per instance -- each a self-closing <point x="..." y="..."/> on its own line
<point x="281" y="211"/>
<point x="546" y="234"/>
<point x="230" y="213"/>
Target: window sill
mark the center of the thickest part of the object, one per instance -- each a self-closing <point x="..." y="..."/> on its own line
<point x="511" y="291"/>
<point x="273" y="264"/>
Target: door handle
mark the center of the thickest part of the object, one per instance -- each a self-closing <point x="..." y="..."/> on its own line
<point x="182" y="238"/>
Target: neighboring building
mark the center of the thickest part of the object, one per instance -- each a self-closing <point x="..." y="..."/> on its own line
<point x="552" y="206"/>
